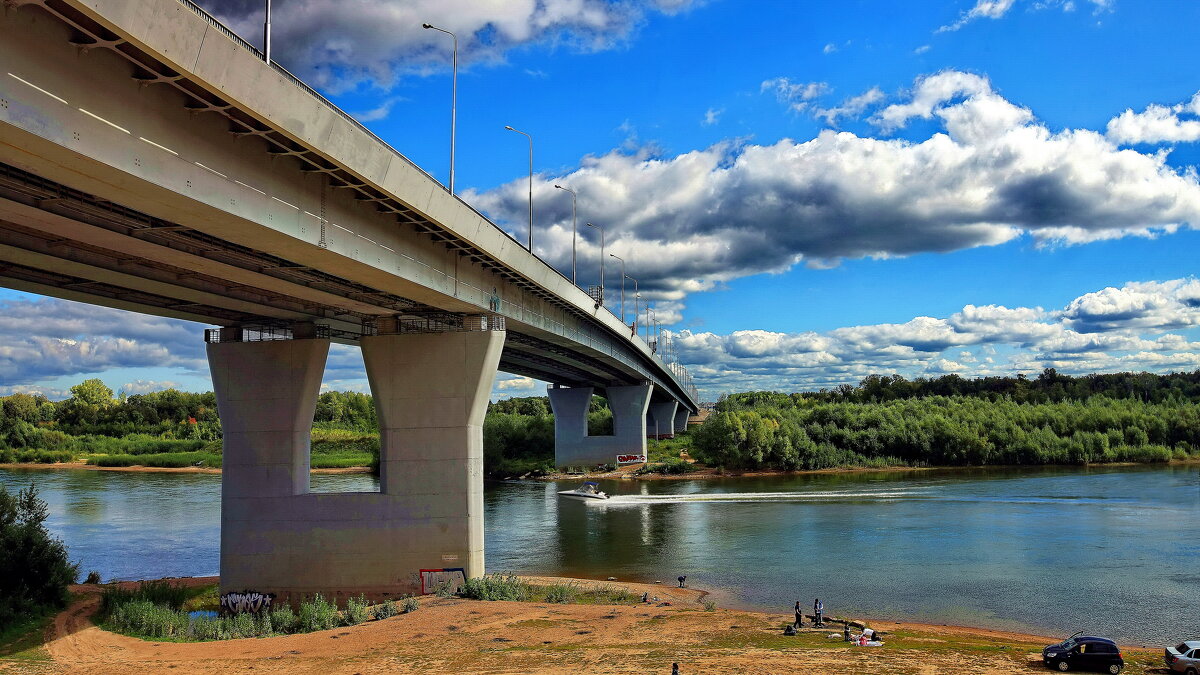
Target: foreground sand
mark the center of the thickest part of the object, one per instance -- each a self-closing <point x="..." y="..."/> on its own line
<point x="463" y="636"/>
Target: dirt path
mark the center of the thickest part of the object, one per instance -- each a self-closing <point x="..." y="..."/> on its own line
<point x="462" y="636"/>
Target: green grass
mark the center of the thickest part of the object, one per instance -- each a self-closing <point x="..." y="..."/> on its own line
<point x="668" y="449"/>
<point x="510" y="587"/>
<point x="166" y="459"/>
<point x="23" y="640"/>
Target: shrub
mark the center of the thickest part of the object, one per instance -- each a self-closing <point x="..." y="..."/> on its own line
<point x="496" y="587"/>
<point x="709" y="605"/>
<point x="318" y="614"/>
<point x="562" y="594"/>
<point x="34" y="570"/>
<point x="171" y="596"/>
<point x="387" y="610"/>
<point x="284" y="620"/>
<point x="411" y="605"/>
<point x="356" y="611"/>
<point x="93" y="577"/>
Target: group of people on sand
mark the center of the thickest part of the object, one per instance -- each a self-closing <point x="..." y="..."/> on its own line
<point x="818" y="614"/>
<point x="867" y="638"/>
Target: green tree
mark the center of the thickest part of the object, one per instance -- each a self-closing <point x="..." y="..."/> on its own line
<point x="34" y="570"/>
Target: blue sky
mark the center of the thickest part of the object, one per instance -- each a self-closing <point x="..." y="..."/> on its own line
<point x="809" y="191"/>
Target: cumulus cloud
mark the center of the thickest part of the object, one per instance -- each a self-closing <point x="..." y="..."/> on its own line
<point x="337" y="44"/>
<point x="989" y="173"/>
<point x="712" y="116"/>
<point x="47" y="338"/>
<point x="1109" y="330"/>
<point x="517" y="384"/>
<point x="1157" y="124"/>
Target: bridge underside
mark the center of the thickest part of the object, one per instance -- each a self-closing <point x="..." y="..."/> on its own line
<point x="151" y="161"/>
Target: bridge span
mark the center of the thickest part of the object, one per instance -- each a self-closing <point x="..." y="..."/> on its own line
<point x="150" y="160"/>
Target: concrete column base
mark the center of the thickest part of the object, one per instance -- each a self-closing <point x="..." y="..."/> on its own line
<point x="572" y="444"/>
<point x="431" y="393"/>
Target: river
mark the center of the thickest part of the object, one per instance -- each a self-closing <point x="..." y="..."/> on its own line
<point x="1112" y="551"/>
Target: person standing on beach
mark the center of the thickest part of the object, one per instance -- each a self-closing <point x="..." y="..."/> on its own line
<point x="681" y="580"/>
<point x="818" y="610"/>
<point x="799" y="615"/>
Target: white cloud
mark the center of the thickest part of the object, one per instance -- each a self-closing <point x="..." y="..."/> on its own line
<point x="712" y="116"/>
<point x="1157" y="124"/>
<point x="147" y="386"/>
<point x="990" y="173"/>
<point x="515" y="384"/>
<point x="829" y="48"/>
<point x="337" y="45"/>
<point x="851" y="107"/>
<point x="380" y="112"/>
<point x="996" y="9"/>
<point x="922" y="49"/>
<point x="796" y="95"/>
<point x="1109" y="330"/>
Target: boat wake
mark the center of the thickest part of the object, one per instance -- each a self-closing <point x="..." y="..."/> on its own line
<point x="758" y="497"/>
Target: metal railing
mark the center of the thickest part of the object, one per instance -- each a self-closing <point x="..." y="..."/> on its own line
<point x="595" y="293"/>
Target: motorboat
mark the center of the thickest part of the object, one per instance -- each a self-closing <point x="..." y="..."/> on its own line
<point x="588" y="490"/>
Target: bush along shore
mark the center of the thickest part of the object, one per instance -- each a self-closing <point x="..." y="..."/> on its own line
<point x="161" y="610"/>
<point x="886" y="421"/>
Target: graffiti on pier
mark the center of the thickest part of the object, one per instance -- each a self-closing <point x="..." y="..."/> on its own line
<point x="246" y="601"/>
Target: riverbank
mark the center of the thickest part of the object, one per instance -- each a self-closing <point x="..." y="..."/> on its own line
<point x="631" y="472"/>
<point x="450" y="635"/>
<point x="83" y="466"/>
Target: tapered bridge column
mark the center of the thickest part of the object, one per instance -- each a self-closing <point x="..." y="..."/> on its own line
<point x="661" y="423"/>
<point x="681" y="419"/>
<point x="266" y="395"/>
<point x="431" y="394"/>
<point x="572" y="444"/>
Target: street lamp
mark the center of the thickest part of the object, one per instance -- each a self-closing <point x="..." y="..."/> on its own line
<point x="601" y="228"/>
<point x="611" y="255"/>
<point x="530" y="182"/>
<point x="572" y="229"/>
<point x="636" y="295"/>
<point x="453" y="96"/>
<point x="267" y="34"/>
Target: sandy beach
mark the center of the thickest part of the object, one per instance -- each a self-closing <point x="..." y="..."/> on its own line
<point x="465" y="636"/>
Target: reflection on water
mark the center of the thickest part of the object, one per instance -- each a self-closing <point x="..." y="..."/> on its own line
<point x="1053" y="550"/>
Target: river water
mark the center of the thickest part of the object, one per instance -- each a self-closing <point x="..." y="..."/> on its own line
<point x="1112" y="551"/>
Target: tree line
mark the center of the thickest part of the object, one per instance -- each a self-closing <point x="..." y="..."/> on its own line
<point x="758" y="430"/>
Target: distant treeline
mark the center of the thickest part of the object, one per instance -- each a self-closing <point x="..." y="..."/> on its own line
<point x="1048" y="387"/>
<point x="759" y="430"/>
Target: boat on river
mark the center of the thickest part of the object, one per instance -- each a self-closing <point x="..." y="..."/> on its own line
<point x="588" y="490"/>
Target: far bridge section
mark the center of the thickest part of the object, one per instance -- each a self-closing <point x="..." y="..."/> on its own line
<point x="150" y="160"/>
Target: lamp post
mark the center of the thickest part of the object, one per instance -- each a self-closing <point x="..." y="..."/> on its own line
<point x="530" y="182"/>
<point x="611" y="255"/>
<point x="267" y="34"/>
<point x="572" y="229"/>
<point x="601" y="228"/>
<point x="453" y="96"/>
<point x="636" y="295"/>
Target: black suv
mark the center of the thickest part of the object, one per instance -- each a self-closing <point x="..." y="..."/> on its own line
<point x="1084" y="652"/>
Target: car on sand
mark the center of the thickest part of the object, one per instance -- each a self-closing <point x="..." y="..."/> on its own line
<point x="1084" y="652"/>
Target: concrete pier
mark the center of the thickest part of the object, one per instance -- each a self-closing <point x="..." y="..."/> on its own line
<point x="661" y="423"/>
<point x="431" y="392"/>
<point x="572" y="444"/>
<point x="681" y="419"/>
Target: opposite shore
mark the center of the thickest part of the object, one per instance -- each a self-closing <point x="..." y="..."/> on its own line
<point x="629" y="472"/>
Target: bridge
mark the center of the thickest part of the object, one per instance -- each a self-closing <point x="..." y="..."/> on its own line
<point x="152" y="161"/>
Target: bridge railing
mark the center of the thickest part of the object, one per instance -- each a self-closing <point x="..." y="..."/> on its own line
<point x="228" y="32"/>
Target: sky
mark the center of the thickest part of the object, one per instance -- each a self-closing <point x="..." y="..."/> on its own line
<point x="807" y="192"/>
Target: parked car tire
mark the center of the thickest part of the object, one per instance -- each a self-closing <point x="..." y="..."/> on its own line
<point x="1114" y="669"/>
<point x="1062" y="666"/>
<point x="1190" y="671"/>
